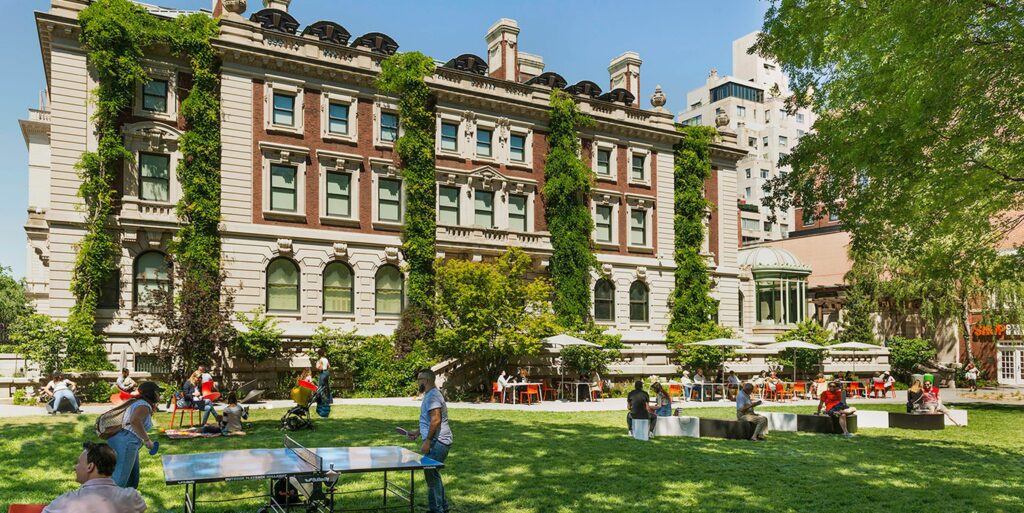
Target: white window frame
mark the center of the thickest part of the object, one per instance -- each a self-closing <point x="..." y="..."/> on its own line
<point x="646" y="204"/>
<point x="496" y="197"/>
<point x="527" y="134"/>
<point x="646" y="153"/>
<point x="453" y="119"/>
<point x="170" y="75"/>
<point x="783" y="141"/>
<point x="283" y="154"/>
<point x="459" y="205"/>
<point x="526" y="210"/>
<point x="383" y="104"/>
<point x="613" y="165"/>
<point x="166" y="143"/>
<point x="741" y="112"/>
<point x="329" y="95"/>
<point x="386" y="169"/>
<point x="485" y="124"/>
<point x="606" y="199"/>
<point x="289" y="86"/>
<point x="330" y="161"/>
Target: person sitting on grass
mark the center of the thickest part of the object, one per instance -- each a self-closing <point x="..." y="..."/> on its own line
<point x="932" y="402"/>
<point x="835" y="406"/>
<point x="62" y="389"/>
<point x="745" y="411"/>
<point x="98" y="493"/>
<point x="638" y="404"/>
<point x="662" y="401"/>
<point x="234" y="414"/>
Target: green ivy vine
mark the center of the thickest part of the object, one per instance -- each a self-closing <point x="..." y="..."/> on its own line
<point x="403" y="75"/>
<point x="567" y="187"/>
<point x="691" y="303"/>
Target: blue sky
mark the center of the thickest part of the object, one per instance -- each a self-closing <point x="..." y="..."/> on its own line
<point x="678" y="40"/>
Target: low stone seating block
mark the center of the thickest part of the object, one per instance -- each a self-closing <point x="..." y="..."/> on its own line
<point x="873" y="419"/>
<point x="916" y="420"/>
<point x="959" y="415"/>
<point x="825" y="424"/>
<point x="722" y="428"/>
<point x="677" y="426"/>
<point x="780" y="421"/>
<point x="641" y="428"/>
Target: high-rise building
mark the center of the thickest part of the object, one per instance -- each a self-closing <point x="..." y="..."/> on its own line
<point x="752" y="103"/>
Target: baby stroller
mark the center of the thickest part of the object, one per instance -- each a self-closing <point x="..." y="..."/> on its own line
<point x="297" y="417"/>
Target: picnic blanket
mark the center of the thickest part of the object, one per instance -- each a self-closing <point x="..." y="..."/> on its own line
<point x="181" y="434"/>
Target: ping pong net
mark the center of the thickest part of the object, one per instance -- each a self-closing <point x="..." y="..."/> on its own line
<point x="304" y="454"/>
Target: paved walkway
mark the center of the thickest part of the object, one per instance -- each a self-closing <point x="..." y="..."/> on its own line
<point x="618" y="404"/>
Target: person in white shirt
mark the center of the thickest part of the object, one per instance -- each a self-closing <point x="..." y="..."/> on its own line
<point x="502" y="384"/>
<point x="125" y="383"/>
<point x="888" y="380"/>
<point x="687" y="384"/>
<point x="62" y="390"/>
<point x="324" y="367"/>
<point x="98" y="493"/>
<point x="699" y="380"/>
<point x="734" y="385"/>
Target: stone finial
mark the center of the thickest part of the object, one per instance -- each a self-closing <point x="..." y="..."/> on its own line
<point x="713" y="74"/>
<point x="277" y="4"/>
<point x="658" y="98"/>
<point x="235" y="6"/>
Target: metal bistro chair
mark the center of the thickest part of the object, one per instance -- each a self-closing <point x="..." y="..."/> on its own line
<point x="175" y="409"/>
<point x="531" y="391"/>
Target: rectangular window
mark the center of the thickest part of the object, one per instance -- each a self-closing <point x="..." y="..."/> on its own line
<point x="450" y="136"/>
<point x="783" y="140"/>
<point x="808" y="219"/>
<point x="764" y="174"/>
<point x="483" y="142"/>
<point x="283" y="188"/>
<point x="799" y="117"/>
<point x="388" y="126"/>
<point x="154" y="96"/>
<point x="741" y="111"/>
<point x="517" y="216"/>
<point x="767" y="116"/>
<point x="800" y="133"/>
<point x="732" y="90"/>
<point x="448" y="205"/>
<point x="284" y="109"/>
<point x="603" y="222"/>
<point x="154" y="177"/>
<point x="783" y="114"/>
<point x="483" y="209"/>
<point x="746" y="192"/>
<point x="517" y="147"/>
<point x="764" y="141"/>
<point x="604" y="159"/>
<point x="638" y="227"/>
<point x="389" y="200"/>
<point x="749" y="225"/>
<point x="638" y="168"/>
<point x="339" y="194"/>
<point x="751" y="141"/>
<point x="337" y="118"/>
<point x="832" y="217"/>
<point x="767" y="226"/>
<point x="748" y="173"/>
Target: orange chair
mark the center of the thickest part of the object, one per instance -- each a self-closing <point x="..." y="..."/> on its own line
<point x="175" y="409"/>
<point x="531" y="390"/>
<point x="780" y="391"/>
<point x="800" y="388"/>
<point x="853" y="389"/>
<point x="208" y="392"/>
<point x="769" y="393"/>
<point x="675" y="390"/>
<point x="599" y="392"/>
<point x="552" y="390"/>
<point x="26" y="508"/>
<point x="495" y="391"/>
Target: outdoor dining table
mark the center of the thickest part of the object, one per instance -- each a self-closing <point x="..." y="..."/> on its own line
<point x="513" y="386"/>
<point x="576" y="386"/>
<point x="710" y="386"/>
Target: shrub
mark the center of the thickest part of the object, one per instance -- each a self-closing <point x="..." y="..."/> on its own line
<point x="585" y="360"/>
<point x="95" y="392"/>
<point x="370" y="366"/>
<point x="700" y="357"/>
<point x="260" y="341"/>
<point x="23" y="398"/>
<point x="905" y="354"/>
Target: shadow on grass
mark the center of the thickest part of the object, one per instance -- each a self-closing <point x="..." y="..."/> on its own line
<point x="511" y="462"/>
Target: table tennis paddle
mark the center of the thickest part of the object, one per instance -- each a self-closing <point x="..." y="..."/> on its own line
<point x="403" y="432"/>
<point x="156" y="447"/>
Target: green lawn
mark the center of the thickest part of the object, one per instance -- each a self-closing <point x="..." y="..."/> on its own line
<point x="512" y="462"/>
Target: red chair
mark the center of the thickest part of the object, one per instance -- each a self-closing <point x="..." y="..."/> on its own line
<point x="175" y="409"/>
<point x="552" y="390"/>
<point x="769" y="393"/>
<point x="531" y="390"/>
<point x="675" y="391"/>
<point x="853" y="389"/>
<point x="208" y="393"/>
<point x="26" y="508"/>
<point x="496" y="391"/>
<point x="800" y="388"/>
<point x="780" y="391"/>
<point x="599" y="392"/>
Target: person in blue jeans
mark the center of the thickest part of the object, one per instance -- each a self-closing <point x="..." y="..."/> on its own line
<point x="135" y="425"/>
<point x="662" y="401"/>
<point x="437" y="438"/>
<point x="62" y="389"/>
<point x="193" y="398"/>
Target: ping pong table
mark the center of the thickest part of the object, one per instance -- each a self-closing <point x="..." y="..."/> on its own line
<point x="306" y="469"/>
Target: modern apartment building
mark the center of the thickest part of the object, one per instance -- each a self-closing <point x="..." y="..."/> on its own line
<point x="312" y="197"/>
<point x="751" y="102"/>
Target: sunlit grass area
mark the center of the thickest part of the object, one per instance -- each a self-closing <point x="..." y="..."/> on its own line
<point x="523" y="461"/>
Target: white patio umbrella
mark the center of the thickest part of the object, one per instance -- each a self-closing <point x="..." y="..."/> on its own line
<point x="854" y="346"/>
<point x="795" y="344"/>
<point x="722" y="342"/>
<point x="560" y="341"/>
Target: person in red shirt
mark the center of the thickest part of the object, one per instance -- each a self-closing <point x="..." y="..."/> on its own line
<point x="835" y="406"/>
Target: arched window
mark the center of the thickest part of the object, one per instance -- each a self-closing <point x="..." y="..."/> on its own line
<point x="638" y="302"/>
<point x="152" y="278"/>
<point x="390" y="290"/>
<point x="338" y="291"/>
<point x="604" y="300"/>
<point x="282" y="285"/>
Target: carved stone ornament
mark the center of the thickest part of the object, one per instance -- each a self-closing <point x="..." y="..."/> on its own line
<point x="391" y="254"/>
<point x="284" y="247"/>
<point x="641" y="273"/>
<point x="340" y="250"/>
<point x="658" y="98"/>
<point x="606" y="269"/>
<point x="722" y="120"/>
<point x="235" y="6"/>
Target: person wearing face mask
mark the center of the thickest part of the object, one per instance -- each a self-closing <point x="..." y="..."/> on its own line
<point x="98" y="493"/>
<point x="437" y="438"/>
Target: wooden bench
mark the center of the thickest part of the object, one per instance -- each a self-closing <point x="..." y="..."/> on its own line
<point x="724" y="428"/>
<point x="928" y="421"/>
<point x="825" y="424"/>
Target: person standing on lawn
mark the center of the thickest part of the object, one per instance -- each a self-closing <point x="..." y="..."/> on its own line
<point x="324" y="367"/>
<point x="437" y="438"/>
<point x="971" y="373"/>
<point x="835" y="406"/>
<point x="137" y="421"/>
<point x="745" y="411"/>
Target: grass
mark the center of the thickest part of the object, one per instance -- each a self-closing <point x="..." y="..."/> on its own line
<point x="519" y="462"/>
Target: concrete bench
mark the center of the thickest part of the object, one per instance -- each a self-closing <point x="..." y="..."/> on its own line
<point x="677" y="426"/>
<point x="723" y="428"/>
<point x="825" y="424"/>
<point x="873" y="419"/>
<point x="959" y="415"/>
<point x="928" y="421"/>
<point x="780" y="421"/>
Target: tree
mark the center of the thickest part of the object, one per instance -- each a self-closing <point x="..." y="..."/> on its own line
<point x="261" y="339"/>
<point x="488" y="313"/>
<point x="586" y="360"/>
<point x="708" y="358"/>
<point x="567" y="186"/>
<point x="905" y="354"/>
<point x="14" y="303"/>
<point x="804" y="360"/>
<point x="860" y="304"/>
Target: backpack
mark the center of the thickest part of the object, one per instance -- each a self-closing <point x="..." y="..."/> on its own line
<point x="323" y="409"/>
<point x="111" y="422"/>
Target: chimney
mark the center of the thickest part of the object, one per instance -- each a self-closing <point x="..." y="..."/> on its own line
<point x="502" y="50"/>
<point x="276" y="4"/>
<point x="624" y="72"/>
<point x="530" y="65"/>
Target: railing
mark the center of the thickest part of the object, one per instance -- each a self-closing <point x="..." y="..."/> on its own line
<point x="150" y="210"/>
<point x="38" y="115"/>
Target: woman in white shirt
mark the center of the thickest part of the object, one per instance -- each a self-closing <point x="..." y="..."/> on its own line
<point x="324" y="367"/>
<point x="62" y="390"/>
<point x="135" y="425"/>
